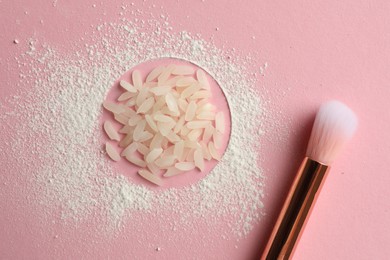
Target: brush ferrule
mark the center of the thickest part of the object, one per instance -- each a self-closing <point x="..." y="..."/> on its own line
<point x="296" y="209"/>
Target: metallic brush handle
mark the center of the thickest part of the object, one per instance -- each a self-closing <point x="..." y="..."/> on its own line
<point x="295" y="211"/>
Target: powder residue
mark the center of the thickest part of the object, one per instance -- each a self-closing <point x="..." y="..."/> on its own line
<point x="58" y="111"/>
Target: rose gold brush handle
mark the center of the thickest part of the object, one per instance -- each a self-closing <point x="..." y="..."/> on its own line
<point x="295" y="211"/>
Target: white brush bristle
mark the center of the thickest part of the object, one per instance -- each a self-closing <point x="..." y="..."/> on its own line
<point x="334" y="125"/>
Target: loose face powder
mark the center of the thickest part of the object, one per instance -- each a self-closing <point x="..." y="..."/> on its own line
<point x="68" y="178"/>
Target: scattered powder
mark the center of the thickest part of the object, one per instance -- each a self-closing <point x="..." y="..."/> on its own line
<point x="57" y="140"/>
<point x="263" y="68"/>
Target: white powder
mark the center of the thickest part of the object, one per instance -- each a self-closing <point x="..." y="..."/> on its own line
<point x="57" y="141"/>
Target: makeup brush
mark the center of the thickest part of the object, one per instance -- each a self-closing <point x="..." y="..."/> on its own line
<point x="334" y="125"/>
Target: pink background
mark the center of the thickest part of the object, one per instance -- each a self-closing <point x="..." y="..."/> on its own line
<point x="315" y="51"/>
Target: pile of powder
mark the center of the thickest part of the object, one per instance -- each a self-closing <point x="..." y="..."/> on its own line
<point x="57" y="140"/>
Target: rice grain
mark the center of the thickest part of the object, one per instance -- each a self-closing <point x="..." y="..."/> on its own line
<point x="150" y="177"/>
<point x="125" y="96"/>
<point x="185" y="166"/>
<point x="171" y="103"/>
<point x="179" y="148"/>
<point x="190" y="112"/>
<point x="130" y="149"/>
<point x="135" y="160"/>
<point x="190" y="90"/>
<point x="142" y="149"/>
<point x="194" y="134"/>
<point x="213" y="151"/>
<point x="153" y="168"/>
<point x="172" y="171"/>
<point x="155" y="73"/>
<point x="146" y="106"/>
<point x="220" y="122"/>
<point x="127" y="140"/>
<point x="165" y="162"/>
<point x="201" y="76"/>
<point x="143" y="94"/>
<point x="112" y="107"/>
<point x="110" y="131"/>
<point x="137" y="79"/>
<point x="145" y="136"/>
<point x="183" y="70"/>
<point x="160" y="90"/>
<point x="133" y="121"/>
<point x="208" y="133"/>
<point x="151" y="122"/>
<point x="198" y="159"/>
<point x="153" y="155"/>
<point x="217" y="139"/>
<point x="127" y="86"/>
<point x="121" y="118"/>
<point x="112" y="152"/>
<point x="185" y="82"/>
<point x="197" y="124"/>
